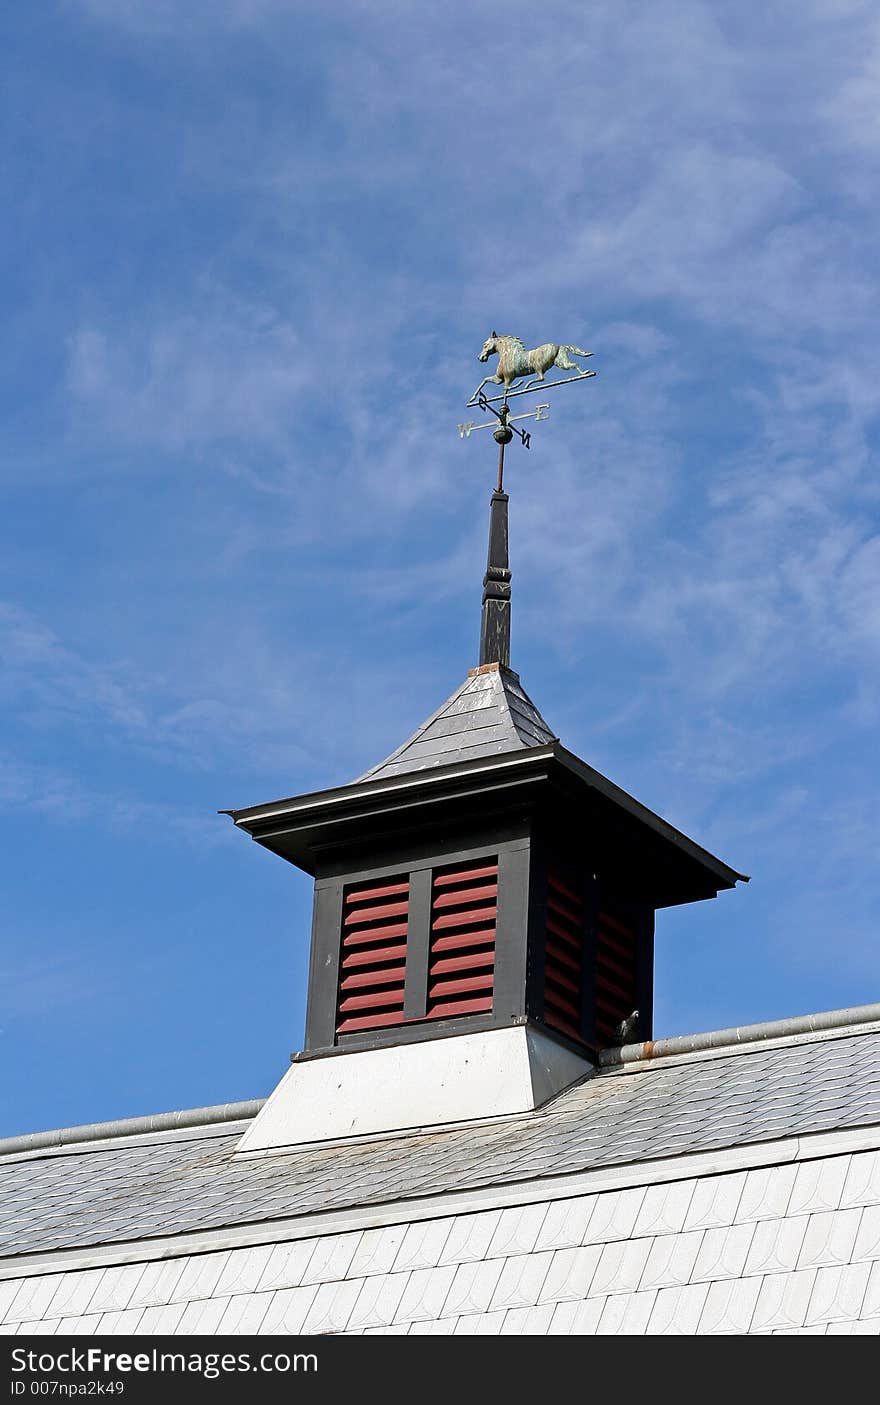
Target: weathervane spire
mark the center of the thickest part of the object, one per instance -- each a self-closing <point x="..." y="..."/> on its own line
<point x="514" y="364"/>
<point x="495" y="624"/>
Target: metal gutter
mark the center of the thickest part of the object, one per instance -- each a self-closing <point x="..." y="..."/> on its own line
<point x="653" y="1049"/>
<point x="132" y="1126"/>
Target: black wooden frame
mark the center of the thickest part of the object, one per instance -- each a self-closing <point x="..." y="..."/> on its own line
<point x="525" y="846"/>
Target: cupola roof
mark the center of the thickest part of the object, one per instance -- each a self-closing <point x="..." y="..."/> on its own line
<point x="489" y="713"/>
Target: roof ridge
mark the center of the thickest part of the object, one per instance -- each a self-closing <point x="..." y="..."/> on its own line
<point x="515" y="697"/>
<point x="737" y="1036"/>
<point x="182" y="1120"/>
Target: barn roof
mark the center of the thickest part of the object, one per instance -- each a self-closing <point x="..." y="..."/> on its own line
<point x="681" y="1097"/>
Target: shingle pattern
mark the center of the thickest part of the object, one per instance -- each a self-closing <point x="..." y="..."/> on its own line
<point x="790" y="1249"/>
<point x="125" y="1191"/>
<point x="488" y="714"/>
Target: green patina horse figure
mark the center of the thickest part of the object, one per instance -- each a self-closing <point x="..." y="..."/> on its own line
<point x="515" y="362"/>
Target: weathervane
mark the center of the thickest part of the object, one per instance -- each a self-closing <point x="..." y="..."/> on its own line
<point x="515" y="363"/>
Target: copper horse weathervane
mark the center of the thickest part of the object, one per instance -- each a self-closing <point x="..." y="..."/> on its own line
<point x="515" y="364"/>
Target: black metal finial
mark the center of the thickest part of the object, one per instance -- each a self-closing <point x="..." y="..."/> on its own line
<point x="495" y="626"/>
<point x="502" y="436"/>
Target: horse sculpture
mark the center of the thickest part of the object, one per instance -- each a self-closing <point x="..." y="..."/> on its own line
<point x="514" y="361"/>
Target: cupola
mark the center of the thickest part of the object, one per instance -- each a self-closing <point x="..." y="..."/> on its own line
<point x="484" y="911"/>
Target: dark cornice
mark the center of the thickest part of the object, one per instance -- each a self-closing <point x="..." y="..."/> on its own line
<point x="299" y="827"/>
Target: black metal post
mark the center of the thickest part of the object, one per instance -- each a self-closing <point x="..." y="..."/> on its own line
<point x="495" y="627"/>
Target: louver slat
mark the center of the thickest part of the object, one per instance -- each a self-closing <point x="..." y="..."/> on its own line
<point x="464" y="940"/>
<point x="443" y="880"/>
<point x="564" y="958"/>
<point x="444" y="1010"/>
<point x="375" y="934"/>
<point x="458" y="963"/>
<point x="466" y="895"/>
<point x="389" y="890"/>
<point x="462" y="987"/>
<point x="463" y="921"/>
<point x="373" y="958"/>
<point x="569" y="933"/>
<point x="615" y="975"/>
<point x="614" y="970"/>
<point x="470" y="918"/>
<point x="612" y="989"/>
<point x="370" y="956"/>
<point x="568" y="1007"/>
<point x="615" y="947"/>
<point x="369" y="914"/>
<point x="369" y="979"/>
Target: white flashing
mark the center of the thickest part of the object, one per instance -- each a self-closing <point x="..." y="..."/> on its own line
<point x="809" y="1147"/>
<point x="406" y="1087"/>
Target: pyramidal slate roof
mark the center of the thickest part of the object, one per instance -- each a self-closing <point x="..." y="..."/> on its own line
<point x="488" y="714"/>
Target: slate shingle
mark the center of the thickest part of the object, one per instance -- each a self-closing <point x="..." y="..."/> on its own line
<point x="117" y="1191"/>
<point x="488" y="714"/>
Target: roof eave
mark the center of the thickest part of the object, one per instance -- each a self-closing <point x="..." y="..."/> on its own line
<point x="729" y="876"/>
<point x="328" y="806"/>
<point x="410" y="782"/>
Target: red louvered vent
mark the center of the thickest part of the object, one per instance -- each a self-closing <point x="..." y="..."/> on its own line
<point x="373" y="960"/>
<point x="564" y="958"/>
<point x="615" y="975"/>
<point x="461" y="967"/>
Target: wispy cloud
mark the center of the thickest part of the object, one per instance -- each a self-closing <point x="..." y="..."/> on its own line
<point x="44" y="674"/>
<point x="68" y="798"/>
<point x="194" y="380"/>
<point x="293" y="718"/>
<point x="262" y="358"/>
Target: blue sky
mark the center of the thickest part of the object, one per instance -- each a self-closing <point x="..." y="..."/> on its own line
<point x="251" y="251"/>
